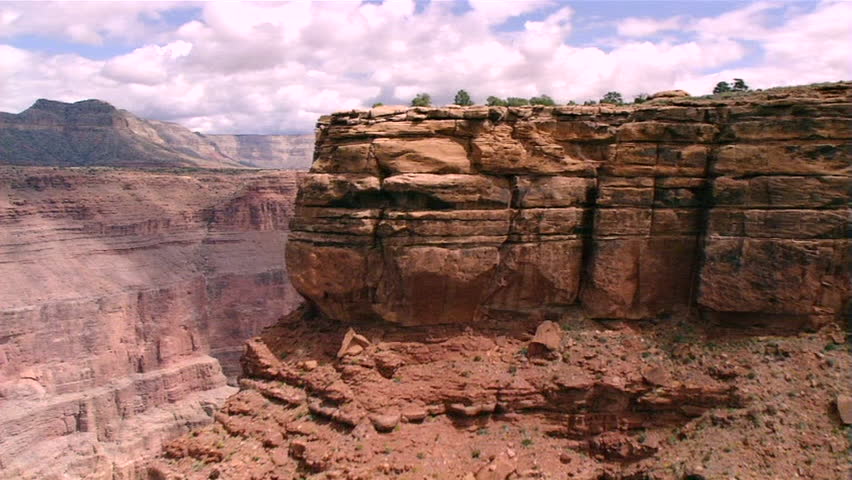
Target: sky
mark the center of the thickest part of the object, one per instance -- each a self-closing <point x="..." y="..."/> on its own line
<point x="275" y="67"/>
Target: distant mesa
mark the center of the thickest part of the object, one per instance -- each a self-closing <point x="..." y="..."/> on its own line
<point x="95" y="133"/>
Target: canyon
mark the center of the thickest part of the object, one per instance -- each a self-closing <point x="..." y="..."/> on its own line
<point x="95" y="133"/>
<point x="651" y="291"/>
<point x="125" y="299"/>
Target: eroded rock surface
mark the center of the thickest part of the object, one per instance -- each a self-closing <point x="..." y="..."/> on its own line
<point x="444" y="215"/>
<point x="123" y="296"/>
<point x="469" y="272"/>
<point x="457" y="402"/>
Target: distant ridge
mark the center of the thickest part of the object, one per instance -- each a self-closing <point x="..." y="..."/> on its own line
<point x="95" y="133"/>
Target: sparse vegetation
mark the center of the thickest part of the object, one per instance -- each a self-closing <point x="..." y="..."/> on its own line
<point x="721" y="87"/>
<point x="725" y="87"/>
<point x="378" y="104"/>
<point x="421" y="100"/>
<point x="463" y="98"/>
<point x="493" y="101"/>
<point x="613" y="98"/>
<point x="641" y="98"/>
<point x="542" y="100"/>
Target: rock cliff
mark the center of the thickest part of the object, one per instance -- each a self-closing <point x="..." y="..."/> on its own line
<point x="125" y="300"/>
<point x="444" y="215"/>
<point x="93" y="132"/>
<point x="499" y="294"/>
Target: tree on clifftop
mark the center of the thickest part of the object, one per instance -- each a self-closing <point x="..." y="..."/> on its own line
<point x="740" y="85"/>
<point x="421" y="100"/>
<point x="542" y="100"/>
<point x="721" y="87"/>
<point x="463" y="99"/>
<point x="613" y="98"/>
<point x="725" y="87"/>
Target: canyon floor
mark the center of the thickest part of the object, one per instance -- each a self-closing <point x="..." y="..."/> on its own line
<point x="673" y="398"/>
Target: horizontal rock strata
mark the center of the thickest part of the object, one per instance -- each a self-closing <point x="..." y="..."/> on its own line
<point x="441" y="215"/>
<point x="125" y="299"/>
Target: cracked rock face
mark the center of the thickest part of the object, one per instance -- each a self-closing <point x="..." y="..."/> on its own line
<point x="446" y="215"/>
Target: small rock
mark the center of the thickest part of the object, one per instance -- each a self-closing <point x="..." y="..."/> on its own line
<point x="414" y="414"/>
<point x="564" y="457"/>
<point x="657" y="376"/>
<point x="353" y="350"/>
<point x="463" y="410"/>
<point x="547" y="339"/>
<point x="352" y="344"/>
<point x="500" y="468"/>
<point x="310" y="365"/>
<point x="385" y="422"/>
<point x="387" y="363"/>
<point x="844" y="408"/>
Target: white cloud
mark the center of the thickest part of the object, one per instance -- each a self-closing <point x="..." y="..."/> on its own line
<point x="269" y="67"/>
<point x="85" y="22"/>
<point x="643" y="27"/>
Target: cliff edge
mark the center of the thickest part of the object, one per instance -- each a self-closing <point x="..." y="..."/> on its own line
<point x="443" y="215"/>
<point x="596" y="293"/>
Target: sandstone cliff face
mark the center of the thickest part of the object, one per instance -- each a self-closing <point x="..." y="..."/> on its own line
<point x="93" y="132"/>
<point x="445" y="215"/>
<point x="125" y="298"/>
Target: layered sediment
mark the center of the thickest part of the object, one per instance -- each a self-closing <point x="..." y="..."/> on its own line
<point x="445" y="215"/>
<point x="125" y="299"/>
<point x="502" y="293"/>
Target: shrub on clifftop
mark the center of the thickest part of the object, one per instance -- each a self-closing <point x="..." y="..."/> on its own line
<point x="493" y="101"/>
<point x="542" y="100"/>
<point x="421" y="100"/>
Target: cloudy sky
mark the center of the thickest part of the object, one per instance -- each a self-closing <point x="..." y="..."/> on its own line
<point x="229" y="67"/>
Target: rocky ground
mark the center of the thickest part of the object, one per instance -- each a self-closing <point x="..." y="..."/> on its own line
<point x="675" y="398"/>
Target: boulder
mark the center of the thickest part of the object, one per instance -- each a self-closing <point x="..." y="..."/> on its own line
<point x="547" y="339"/>
<point x="352" y="344"/>
<point x="669" y="94"/>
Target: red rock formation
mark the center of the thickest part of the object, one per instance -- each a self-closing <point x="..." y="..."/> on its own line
<point x="443" y="215"/>
<point x="445" y="253"/>
<point x="121" y="293"/>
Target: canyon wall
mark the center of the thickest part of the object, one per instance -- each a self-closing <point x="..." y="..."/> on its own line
<point x="445" y="215"/>
<point x="93" y="132"/>
<point x="267" y="151"/>
<point x="125" y="299"/>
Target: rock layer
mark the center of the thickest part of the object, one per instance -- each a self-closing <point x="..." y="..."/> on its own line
<point x="124" y="295"/>
<point x="444" y="215"/>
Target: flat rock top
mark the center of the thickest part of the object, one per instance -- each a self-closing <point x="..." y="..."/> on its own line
<point x="822" y="92"/>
